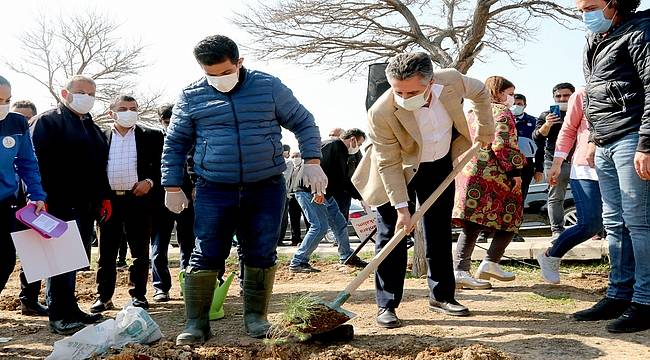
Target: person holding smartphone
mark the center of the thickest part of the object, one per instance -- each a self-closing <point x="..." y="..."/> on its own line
<point x="546" y="132"/>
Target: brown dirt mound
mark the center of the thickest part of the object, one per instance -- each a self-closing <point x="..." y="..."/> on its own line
<point x="324" y="319"/>
<point x="9" y="303"/>
<point x="167" y="350"/>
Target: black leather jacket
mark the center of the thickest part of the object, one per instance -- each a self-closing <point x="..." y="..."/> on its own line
<point x="617" y="71"/>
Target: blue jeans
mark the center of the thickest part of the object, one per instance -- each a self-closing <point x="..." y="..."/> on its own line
<point x="586" y="194"/>
<point x="626" y="216"/>
<point x="252" y="211"/>
<point x="321" y="217"/>
<point x="163" y="225"/>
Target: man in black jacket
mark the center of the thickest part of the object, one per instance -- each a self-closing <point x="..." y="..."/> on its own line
<point x="324" y="212"/>
<point x="163" y="225"/>
<point x="134" y="176"/>
<point x="72" y="153"/>
<point x="546" y="132"/>
<point x="617" y="101"/>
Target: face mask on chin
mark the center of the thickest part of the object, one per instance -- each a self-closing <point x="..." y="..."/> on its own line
<point x="353" y="150"/>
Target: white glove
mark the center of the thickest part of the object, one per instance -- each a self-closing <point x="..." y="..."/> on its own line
<point x="176" y="201"/>
<point x="314" y="177"/>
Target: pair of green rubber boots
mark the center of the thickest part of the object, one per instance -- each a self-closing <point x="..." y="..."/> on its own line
<point x="218" y="296"/>
<point x="204" y="302"/>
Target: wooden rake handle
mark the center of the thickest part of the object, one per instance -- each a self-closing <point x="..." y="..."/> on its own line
<point x="379" y="257"/>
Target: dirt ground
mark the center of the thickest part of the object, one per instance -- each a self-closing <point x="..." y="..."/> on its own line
<point x="524" y="319"/>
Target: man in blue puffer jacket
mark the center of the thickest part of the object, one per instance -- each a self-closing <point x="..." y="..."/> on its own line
<point x="233" y="119"/>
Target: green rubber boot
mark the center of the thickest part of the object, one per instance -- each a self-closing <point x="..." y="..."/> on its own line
<point x="198" y="291"/>
<point x="218" y="297"/>
<point x="258" y="286"/>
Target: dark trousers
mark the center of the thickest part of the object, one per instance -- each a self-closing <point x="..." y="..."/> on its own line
<point x="295" y="214"/>
<point x="61" y="288"/>
<point x="163" y="225"/>
<point x="527" y="174"/>
<point x="252" y="211"/>
<point x="284" y="223"/>
<point x="467" y="242"/>
<point x="389" y="277"/>
<point x="344" y="201"/>
<point x="7" y="226"/>
<point x="132" y="214"/>
<point x="121" y="254"/>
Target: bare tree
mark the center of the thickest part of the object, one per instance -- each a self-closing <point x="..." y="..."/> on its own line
<point x="346" y="35"/>
<point x="59" y="47"/>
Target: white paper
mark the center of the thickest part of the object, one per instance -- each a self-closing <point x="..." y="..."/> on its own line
<point x="42" y="258"/>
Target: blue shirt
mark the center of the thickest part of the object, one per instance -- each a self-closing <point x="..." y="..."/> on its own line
<point x="17" y="158"/>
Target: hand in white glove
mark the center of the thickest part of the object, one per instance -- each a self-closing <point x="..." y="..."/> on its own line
<point x="175" y="200"/>
<point x="314" y="177"/>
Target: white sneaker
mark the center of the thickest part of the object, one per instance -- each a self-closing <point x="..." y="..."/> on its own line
<point x="488" y="270"/>
<point x="465" y="281"/>
<point x="550" y="267"/>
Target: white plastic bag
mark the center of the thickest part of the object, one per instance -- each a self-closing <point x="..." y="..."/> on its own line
<point x="131" y="325"/>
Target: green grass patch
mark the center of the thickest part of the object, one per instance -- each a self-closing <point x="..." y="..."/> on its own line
<point x="552" y="298"/>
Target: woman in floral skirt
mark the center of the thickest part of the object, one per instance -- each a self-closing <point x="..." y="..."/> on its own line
<point x="488" y="193"/>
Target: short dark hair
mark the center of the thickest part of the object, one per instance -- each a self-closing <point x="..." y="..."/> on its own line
<point x="562" y="86"/>
<point x="354" y="132"/>
<point x="496" y="85"/>
<point x="521" y="97"/>
<point x="286" y="147"/>
<point x="216" y="49"/>
<point x="25" y="104"/>
<point x="626" y="7"/>
<point x="4" y="82"/>
<point x="165" y="111"/>
<point x="119" y="98"/>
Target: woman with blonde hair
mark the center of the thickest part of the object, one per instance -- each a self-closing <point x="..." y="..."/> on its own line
<point x="488" y="193"/>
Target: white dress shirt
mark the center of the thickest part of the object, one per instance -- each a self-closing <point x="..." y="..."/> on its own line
<point x="122" y="160"/>
<point x="435" y="128"/>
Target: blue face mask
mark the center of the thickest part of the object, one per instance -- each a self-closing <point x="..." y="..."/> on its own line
<point x="596" y="21"/>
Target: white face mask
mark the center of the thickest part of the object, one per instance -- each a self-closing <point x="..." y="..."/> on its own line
<point x="223" y="83"/>
<point x="4" y="111"/>
<point x="82" y="103"/>
<point x="510" y="101"/>
<point x="564" y="106"/>
<point x="517" y="110"/>
<point x="296" y="161"/>
<point x="126" y="119"/>
<point x="413" y="103"/>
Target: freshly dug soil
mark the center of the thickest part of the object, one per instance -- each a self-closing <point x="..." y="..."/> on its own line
<point x="324" y="319"/>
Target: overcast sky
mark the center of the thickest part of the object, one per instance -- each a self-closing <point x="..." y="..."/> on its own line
<point x="170" y="30"/>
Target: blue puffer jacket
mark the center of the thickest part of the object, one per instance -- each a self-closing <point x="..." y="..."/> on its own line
<point x="237" y="134"/>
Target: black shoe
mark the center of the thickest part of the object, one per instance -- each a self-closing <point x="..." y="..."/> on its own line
<point x="452" y="307"/>
<point x="605" y="309"/>
<point x="100" y="306"/>
<point x="518" y="238"/>
<point x="161" y="296"/>
<point x="65" y="327"/>
<point x="85" y="318"/>
<point x="296" y="242"/>
<point x="141" y="303"/>
<point x="33" y="309"/>
<point x="121" y="264"/>
<point x="387" y="318"/>
<point x="355" y="261"/>
<point x="303" y="268"/>
<point x="636" y="318"/>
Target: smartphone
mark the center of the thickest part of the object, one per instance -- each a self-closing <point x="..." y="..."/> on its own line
<point x="555" y="109"/>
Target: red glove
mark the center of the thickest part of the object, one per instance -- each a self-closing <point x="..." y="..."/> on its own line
<point x="105" y="211"/>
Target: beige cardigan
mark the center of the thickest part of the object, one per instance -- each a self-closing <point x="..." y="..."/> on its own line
<point x="393" y="157"/>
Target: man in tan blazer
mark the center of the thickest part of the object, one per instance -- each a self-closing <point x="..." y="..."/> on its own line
<point x="417" y="129"/>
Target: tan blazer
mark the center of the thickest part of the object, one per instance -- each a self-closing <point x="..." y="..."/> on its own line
<point x="393" y="157"/>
